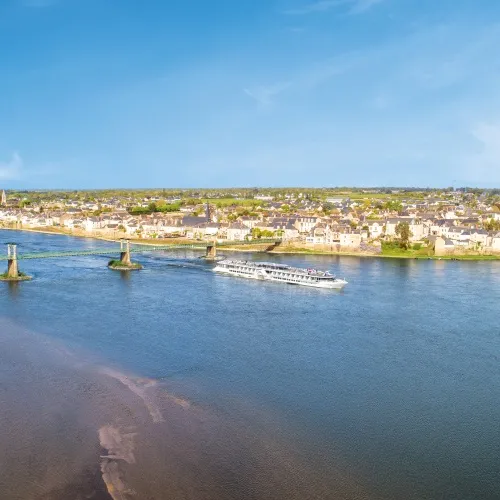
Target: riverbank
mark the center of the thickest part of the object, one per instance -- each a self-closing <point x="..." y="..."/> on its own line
<point x="406" y="256"/>
<point x="285" y="248"/>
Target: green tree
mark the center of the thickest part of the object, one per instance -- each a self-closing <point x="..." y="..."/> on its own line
<point x="256" y="232"/>
<point x="266" y="234"/>
<point x="492" y="225"/>
<point x="394" y="205"/>
<point x="261" y="233"/>
<point x="404" y="233"/>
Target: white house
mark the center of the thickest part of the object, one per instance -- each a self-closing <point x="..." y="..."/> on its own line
<point x="376" y="228"/>
<point x="237" y="231"/>
<point x="92" y="223"/>
<point x="351" y="239"/>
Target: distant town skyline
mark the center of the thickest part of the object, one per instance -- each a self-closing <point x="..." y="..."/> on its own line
<point x="105" y="94"/>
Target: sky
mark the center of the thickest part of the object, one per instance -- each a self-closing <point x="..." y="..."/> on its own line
<point x="222" y="93"/>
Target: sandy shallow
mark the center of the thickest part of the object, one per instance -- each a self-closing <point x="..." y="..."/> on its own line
<point x="73" y="429"/>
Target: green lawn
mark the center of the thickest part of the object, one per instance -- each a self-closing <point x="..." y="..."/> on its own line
<point x="227" y="202"/>
<point x="425" y="253"/>
<point x="380" y="196"/>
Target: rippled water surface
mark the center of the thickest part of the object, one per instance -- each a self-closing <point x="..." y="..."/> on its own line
<point x="390" y="389"/>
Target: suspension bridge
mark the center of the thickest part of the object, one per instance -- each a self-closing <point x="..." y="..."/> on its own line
<point x="124" y="250"/>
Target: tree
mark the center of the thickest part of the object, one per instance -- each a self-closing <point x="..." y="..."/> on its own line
<point x="492" y="225"/>
<point x="394" y="205"/>
<point x="256" y="232"/>
<point x="404" y="233"/>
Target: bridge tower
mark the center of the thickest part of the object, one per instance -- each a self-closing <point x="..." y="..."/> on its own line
<point x="12" y="267"/>
<point x="125" y="252"/>
<point x="13" y="273"/>
<point x="211" y="251"/>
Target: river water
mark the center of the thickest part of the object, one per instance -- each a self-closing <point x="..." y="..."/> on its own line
<point x="200" y="386"/>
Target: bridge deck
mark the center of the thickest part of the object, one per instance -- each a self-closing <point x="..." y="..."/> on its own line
<point x="137" y="248"/>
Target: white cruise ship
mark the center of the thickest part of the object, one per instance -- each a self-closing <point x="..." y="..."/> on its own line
<point x="279" y="272"/>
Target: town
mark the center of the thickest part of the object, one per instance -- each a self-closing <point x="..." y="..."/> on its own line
<point x="387" y="222"/>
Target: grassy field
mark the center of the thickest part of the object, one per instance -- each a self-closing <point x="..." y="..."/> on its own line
<point x="393" y="250"/>
<point x="381" y="196"/>
<point x="227" y="202"/>
<point x="426" y="253"/>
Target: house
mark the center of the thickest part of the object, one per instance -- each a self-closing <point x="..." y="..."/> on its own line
<point x="350" y="239"/>
<point x="111" y="226"/>
<point x="495" y="242"/>
<point x="171" y="227"/>
<point x="335" y="201"/>
<point x="43" y="222"/>
<point x="92" y="223"/>
<point x="458" y="233"/>
<point x="132" y="228"/>
<point x="237" y="231"/>
<point x="72" y="223"/>
<point x="193" y="221"/>
<point x="250" y="222"/>
<point x="480" y="237"/>
<point x="305" y="224"/>
<point x="317" y="235"/>
<point x="211" y="230"/>
<point x="443" y="246"/>
<point x="376" y="228"/>
<point x="417" y="228"/>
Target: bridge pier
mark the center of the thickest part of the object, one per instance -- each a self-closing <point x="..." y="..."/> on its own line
<point x="211" y="251"/>
<point x="12" y="269"/>
<point x="13" y="273"/>
<point x="125" y="263"/>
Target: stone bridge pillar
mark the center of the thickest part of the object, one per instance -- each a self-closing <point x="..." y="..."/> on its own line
<point x="125" y="253"/>
<point x="211" y="251"/>
<point x="12" y="267"/>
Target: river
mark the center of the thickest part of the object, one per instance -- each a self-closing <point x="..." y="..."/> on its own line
<point x="174" y="382"/>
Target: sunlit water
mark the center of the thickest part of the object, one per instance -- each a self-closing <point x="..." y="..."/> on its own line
<point x="391" y="387"/>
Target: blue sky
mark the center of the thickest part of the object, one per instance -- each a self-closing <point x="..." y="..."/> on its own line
<point x="216" y="93"/>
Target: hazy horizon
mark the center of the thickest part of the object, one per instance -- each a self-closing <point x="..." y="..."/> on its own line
<point x="234" y="188"/>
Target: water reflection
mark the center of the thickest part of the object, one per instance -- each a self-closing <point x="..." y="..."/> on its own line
<point x="13" y="289"/>
<point x="125" y="276"/>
